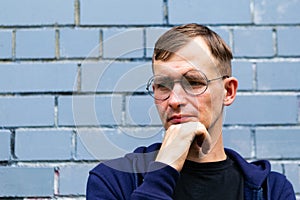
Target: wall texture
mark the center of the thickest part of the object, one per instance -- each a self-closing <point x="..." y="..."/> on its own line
<point x="72" y="85"/>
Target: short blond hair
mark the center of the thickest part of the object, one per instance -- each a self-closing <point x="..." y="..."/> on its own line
<point x="179" y="36"/>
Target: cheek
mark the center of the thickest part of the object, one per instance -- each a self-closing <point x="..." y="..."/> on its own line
<point x="203" y="106"/>
<point x="202" y="103"/>
<point x="161" y="108"/>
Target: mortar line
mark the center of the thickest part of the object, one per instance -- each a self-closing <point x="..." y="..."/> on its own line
<point x="77" y="12"/>
<point x="13" y="50"/>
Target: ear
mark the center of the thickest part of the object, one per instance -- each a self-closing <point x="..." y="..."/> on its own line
<point x="230" y="86"/>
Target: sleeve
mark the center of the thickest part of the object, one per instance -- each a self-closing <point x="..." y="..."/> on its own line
<point x="287" y="192"/>
<point x="159" y="183"/>
<point x="98" y="188"/>
<point x="280" y="188"/>
<point x="107" y="183"/>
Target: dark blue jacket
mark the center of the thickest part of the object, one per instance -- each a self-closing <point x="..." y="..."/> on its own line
<point x="137" y="176"/>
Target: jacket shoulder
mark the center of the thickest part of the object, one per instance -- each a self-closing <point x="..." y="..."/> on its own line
<point x="279" y="187"/>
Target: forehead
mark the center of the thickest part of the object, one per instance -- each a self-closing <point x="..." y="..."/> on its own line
<point x="195" y="55"/>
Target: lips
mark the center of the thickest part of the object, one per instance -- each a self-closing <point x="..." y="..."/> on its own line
<point x="177" y="119"/>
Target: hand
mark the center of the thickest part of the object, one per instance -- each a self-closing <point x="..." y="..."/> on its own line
<point x="178" y="140"/>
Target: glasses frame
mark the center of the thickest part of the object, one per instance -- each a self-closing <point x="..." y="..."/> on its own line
<point x="149" y="84"/>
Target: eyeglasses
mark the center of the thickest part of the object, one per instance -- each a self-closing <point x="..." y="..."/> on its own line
<point x="194" y="82"/>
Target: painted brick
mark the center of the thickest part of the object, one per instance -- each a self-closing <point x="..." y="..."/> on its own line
<point x="253" y="42"/>
<point x="79" y="42"/>
<point x="25" y="181"/>
<point x="239" y="140"/>
<point x="83" y="149"/>
<point x="152" y="34"/>
<point x="37" y="77"/>
<point x="43" y="144"/>
<point x="123" y="43"/>
<point x="206" y="12"/>
<point x="101" y="144"/>
<point x="278" y="143"/>
<point x="277" y="167"/>
<point x="90" y="110"/>
<point x="287" y="38"/>
<point x="223" y="33"/>
<point x="278" y="76"/>
<point x="73" y="179"/>
<point x="121" y="12"/>
<point x="263" y="109"/>
<point x="27" y="111"/>
<point x="276" y="12"/>
<point x="4" y="145"/>
<point x="36" y="12"/>
<point x="115" y="76"/>
<point x="35" y="43"/>
<point x="5" y="44"/>
<point x="96" y="144"/>
<point x="135" y="105"/>
<point x="244" y="73"/>
<point x="292" y="171"/>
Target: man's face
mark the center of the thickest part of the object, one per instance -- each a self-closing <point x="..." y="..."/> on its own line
<point x="181" y="107"/>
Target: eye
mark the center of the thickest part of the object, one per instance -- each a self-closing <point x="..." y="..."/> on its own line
<point x="194" y="79"/>
<point x="162" y="83"/>
<point x="194" y="82"/>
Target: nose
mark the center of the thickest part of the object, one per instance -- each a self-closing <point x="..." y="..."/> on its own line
<point x="177" y="97"/>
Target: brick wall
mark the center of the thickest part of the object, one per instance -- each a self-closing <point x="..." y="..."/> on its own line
<point x="72" y="85"/>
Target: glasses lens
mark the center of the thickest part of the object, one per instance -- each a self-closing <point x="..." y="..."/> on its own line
<point x="160" y="87"/>
<point x="194" y="82"/>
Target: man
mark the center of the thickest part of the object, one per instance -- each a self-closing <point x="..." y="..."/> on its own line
<point x="192" y="83"/>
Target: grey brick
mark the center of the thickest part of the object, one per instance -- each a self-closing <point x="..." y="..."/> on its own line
<point x="278" y="143"/>
<point x="263" y="109"/>
<point x="292" y="172"/>
<point x="101" y="144"/>
<point x="90" y="110"/>
<point x="27" y="111"/>
<point x="35" y="43"/>
<point x="4" y="145"/>
<point x="276" y="167"/>
<point x="121" y="12"/>
<point x="276" y="12"/>
<point x="79" y="42"/>
<point x="83" y="149"/>
<point x="36" y="12"/>
<point x="278" y="76"/>
<point x="115" y="76"/>
<point x="73" y="179"/>
<point x="152" y="34"/>
<point x="98" y="144"/>
<point x="25" y="181"/>
<point x="239" y="140"/>
<point x="253" y="42"/>
<point x="37" y="77"/>
<point x="43" y="144"/>
<point x="5" y="44"/>
<point x="123" y="43"/>
<point x="244" y="73"/>
<point x="141" y="110"/>
<point x="223" y="33"/>
<point x="206" y="12"/>
<point x="287" y="38"/>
